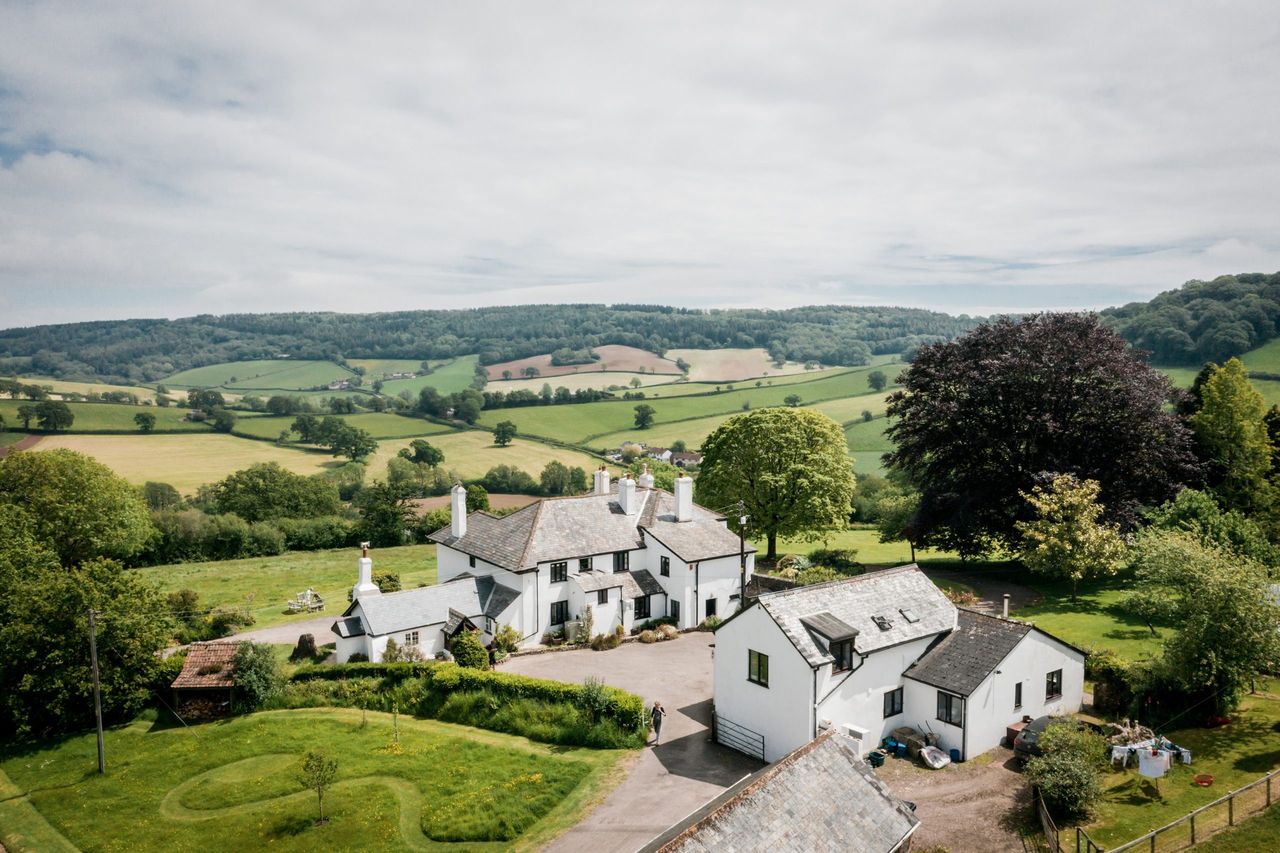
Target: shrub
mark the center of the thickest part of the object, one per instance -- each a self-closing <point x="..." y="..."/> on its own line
<point x="314" y="534"/>
<point x="668" y="632"/>
<point x="711" y="623"/>
<point x="264" y="540"/>
<point x="843" y="560"/>
<point x="792" y="561"/>
<point x="507" y="639"/>
<point x="305" y="649"/>
<point x="358" y="657"/>
<point x="961" y="597"/>
<point x="256" y="675"/>
<point x="468" y="651"/>
<point x="604" y="642"/>
<point x="652" y="624"/>
<point x="648" y="636"/>
<point x="816" y="574"/>
<point x="1113" y="679"/>
<point x="1068" y="775"/>
<point x="587" y="623"/>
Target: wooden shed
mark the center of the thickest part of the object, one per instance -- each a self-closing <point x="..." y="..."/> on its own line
<point x="206" y="686"/>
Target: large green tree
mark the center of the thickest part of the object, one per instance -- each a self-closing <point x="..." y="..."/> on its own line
<point x="789" y="467"/>
<point x="1065" y="540"/>
<point x="422" y="452"/>
<point x="1232" y="431"/>
<point x="266" y="490"/>
<point x="980" y="420"/>
<point x="79" y="506"/>
<point x="45" y="679"/>
<point x="54" y="415"/>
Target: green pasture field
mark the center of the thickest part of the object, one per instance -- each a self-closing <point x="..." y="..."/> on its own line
<point x="111" y="417"/>
<point x="599" y="379"/>
<point x="441" y="787"/>
<point x="452" y="376"/>
<point x="272" y="373"/>
<point x="583" y="423"/>
<point x="1265" y="359"/>
<point x="10" y="436"/>
<point x="471" y="453"/>
<point x="1234" y="755"/>
<point x="379" y="425"/>
<point x="378" y="367"/>
<point x="1181" y="377"/>
<point x="60" y="386"/>
<point x="263" y="584"/>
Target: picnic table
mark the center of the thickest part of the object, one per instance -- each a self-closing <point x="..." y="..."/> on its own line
<point x="305" y="602"/>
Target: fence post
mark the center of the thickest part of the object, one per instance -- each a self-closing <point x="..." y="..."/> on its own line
<point x="1231" y="810"/>
<point x="1153" y="842"/>
<point x="1193" y="830"/>
<point x="1269" y="775"/>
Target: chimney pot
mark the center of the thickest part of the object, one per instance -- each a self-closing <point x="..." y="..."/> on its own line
<point x="458" y="511"/>
<point x="684" y="498"/>
<point x="1006" y="605"/>
<point x="364" y="582"/>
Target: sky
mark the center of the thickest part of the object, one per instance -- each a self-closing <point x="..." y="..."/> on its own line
<point x="172" y="158"/>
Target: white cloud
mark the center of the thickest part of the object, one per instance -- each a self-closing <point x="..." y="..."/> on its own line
<point x="172" y="158"/>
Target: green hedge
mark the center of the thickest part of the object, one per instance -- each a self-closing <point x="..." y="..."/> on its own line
<point x="427" y="684"/>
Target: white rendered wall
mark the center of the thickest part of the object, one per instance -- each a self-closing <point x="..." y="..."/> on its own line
<point x="991" y="708"/>
<point x="780" y="712"/>
<point x="858" y="698"/>
<point x="920" y="706"/>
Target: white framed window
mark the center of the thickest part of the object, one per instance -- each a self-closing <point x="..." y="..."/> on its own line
<point x="411" y="638"/>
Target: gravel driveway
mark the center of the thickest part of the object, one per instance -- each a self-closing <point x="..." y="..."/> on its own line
<point x="288" y="632"/>
<point x="975" y="806"/>
<point x="669" y="781"/>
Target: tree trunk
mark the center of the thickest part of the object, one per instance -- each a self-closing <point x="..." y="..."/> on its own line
<point x="772" y="555"/>
<point x="320" y="794"/>
<point x="1074" y="584"/>
<point x="913" y="550"/>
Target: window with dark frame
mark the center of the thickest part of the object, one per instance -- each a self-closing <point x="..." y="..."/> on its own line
<point x="664" y="566"/>
<point x="843" y="654"/>
<point x="1053" y="685"/>
<point x="559" y="572"/>
<point x="757" y="668"/>
<point x="711" y="607"/>
<point x="642" y="607"/>
<point x="584" y="564"/>
<point x="893" y="703"/>
<point x="673" y="608"/>
<point x="621" y="560"/>
<point x="1017" y="696"/>
<point x="602" y="596"/>
<point x="471" y="560"/>
<point x="950" y="709"/>
<point x="559" y="612"/>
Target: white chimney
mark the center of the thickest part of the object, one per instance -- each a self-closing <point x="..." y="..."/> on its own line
<point x="684" y="498"/>
<point x="365" y="584"/>
<point x="458" y="511"/>
<point x="646" y="479"/>
<point x="1006" y="605"/>
<point x="627" y="495"/>
<point x="602" y="485"/>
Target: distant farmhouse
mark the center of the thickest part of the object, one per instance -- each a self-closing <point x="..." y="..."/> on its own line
<point x="628" y="552"/>
<point x="872" y="653"/>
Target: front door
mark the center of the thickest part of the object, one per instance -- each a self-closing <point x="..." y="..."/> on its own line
<point x="675" y="611"/>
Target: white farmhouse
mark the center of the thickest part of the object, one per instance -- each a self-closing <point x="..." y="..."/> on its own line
<point x="628" y="552"/>
<point x="872" y="653"/>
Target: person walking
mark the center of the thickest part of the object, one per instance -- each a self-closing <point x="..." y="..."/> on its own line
<point x="657" y="714"/>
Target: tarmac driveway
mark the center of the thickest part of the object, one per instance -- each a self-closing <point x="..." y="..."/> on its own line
<point x="671" y="780"/>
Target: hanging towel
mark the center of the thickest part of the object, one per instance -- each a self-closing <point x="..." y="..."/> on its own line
<point x="1186" y="756"/>
<point x="1152" y="766"/>
<point x="1120" y="754"/>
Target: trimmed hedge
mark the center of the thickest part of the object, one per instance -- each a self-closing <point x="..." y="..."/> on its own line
<point x="623" y="708"/>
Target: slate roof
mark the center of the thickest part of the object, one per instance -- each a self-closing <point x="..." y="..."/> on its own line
<point x="582" y="526"/>
<point x="829" y="626"/>
<point x="963" y="659"/>
<point x="349" y="626"/>
<point x="634" y="583"/>
<point x="429" y="605"/>
<point x="821" y="798"/>
<point x="854" y="601"/>
<point x="207" y="655"/>
<point x="647" y="583"/>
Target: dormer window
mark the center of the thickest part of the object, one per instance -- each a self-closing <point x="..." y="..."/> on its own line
<point x="843" y="654"/>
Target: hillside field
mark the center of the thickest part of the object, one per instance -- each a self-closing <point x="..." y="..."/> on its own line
<point x="601" y="380"/>
<point x="612" y="357"/>
<point x="273" y="374"/>
<point x="730" y="365"/>
<point x="60" y="386"/>
<point x="449" y="377"/>
<point x="379" y="425"/>
<point x="112" y="417"/>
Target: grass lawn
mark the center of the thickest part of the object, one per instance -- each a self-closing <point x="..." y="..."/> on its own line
<point x="451" y="376"/>
<point x="375" y="368"/>
<point x="446" y="787"/>
<point x="1235" y="755"/>
<point x="111" y="417"/>
<point x="1265" y="359"/>
<point x="1096" y="619"/>
<point x="263" y="583"/>
<point x="1257" y="833"/>
<point x="868" y="545"/>
<point x="9" y="437"/>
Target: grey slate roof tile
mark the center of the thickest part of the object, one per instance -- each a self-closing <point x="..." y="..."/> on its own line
<point x="821" y="798"/>
<point x="854" y="601"/>
<point x="431" y="605"/>
<point x="962" y="660"/>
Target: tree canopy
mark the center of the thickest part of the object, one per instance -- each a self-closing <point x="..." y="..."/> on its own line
<point x="78" y="505"/>
<point x="266" y="490"/>
<point x="789" y="467"/>
<point x="978" y="421"/>
<point x="1065" y="540"/>
<point x="1233" y="434"/>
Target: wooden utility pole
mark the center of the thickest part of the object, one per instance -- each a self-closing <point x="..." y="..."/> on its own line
<point x="97" y="687"/>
